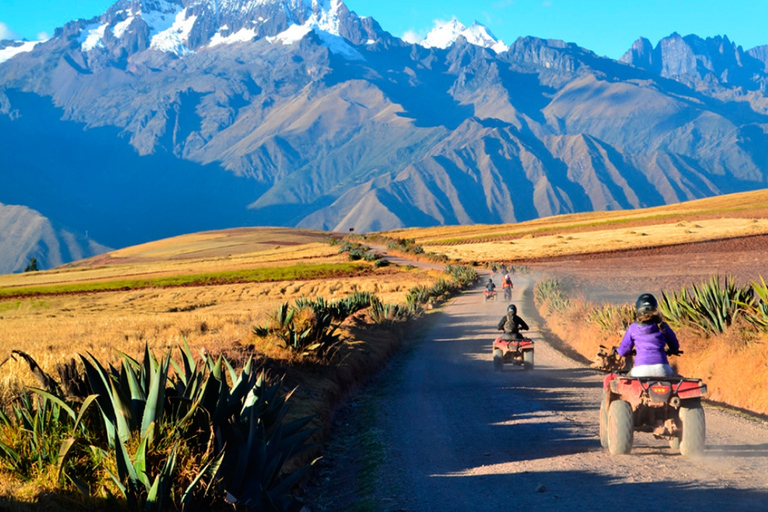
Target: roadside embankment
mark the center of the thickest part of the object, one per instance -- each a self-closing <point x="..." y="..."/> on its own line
<point x="733" y="363"/>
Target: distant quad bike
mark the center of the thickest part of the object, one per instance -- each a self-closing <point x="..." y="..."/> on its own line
<point x="507" y="294"/>
<point x="490" y="295"/>
<point x="518" y="351"/>
<point x="667" y="407"/>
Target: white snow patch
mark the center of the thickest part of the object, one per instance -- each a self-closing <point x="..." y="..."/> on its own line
<point x="120" y="28"/>
<point x="90" y="37"/>
<point x="10" y="52"/>
<point x="445" y="34"/>
<point x="174" y="38"/>
<point x="325" y="22"/>
<point x="291" y="35"/>
<point x="241" y="36"/>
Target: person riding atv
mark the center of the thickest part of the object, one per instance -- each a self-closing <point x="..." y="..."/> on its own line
<point x="506" y="286"/>
<point x="512" y="324"/>
<point x="649" y="336"/>
<point x="490" y="287"/>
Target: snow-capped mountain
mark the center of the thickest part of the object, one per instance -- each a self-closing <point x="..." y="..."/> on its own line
<point x="181" y="27"/>
<point x="163" y="117"/>
<point x="445" y="35"/>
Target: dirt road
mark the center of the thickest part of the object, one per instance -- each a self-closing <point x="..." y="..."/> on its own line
<point x="452" y="435"/>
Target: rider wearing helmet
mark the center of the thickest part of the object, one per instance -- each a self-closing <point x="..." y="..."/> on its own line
<point x="507" y="282"/>
<point x="511" y="324"/>
<point x="649" y="336"/>
<point x="490" y="286"/>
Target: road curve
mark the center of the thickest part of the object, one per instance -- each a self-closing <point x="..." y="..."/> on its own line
<point x="458" y="436"/>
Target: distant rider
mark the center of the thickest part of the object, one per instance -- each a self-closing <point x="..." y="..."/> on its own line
<point x="507" y="283"/>
<point x="503" y="268"/>
<point x="490" y="287"/>
<point x="512" y="324"/>
<point x="649" y="336"/>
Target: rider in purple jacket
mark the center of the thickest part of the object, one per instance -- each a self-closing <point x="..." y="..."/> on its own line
<point x="650" y="337"/>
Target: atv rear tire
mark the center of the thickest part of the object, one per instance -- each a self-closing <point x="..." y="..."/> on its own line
<point x="498" y="360"/>
<point x="620" y="427"/>
<point x="603" y="424"/>
<point x="528" y="359"/>
<point x="694" y="429"/>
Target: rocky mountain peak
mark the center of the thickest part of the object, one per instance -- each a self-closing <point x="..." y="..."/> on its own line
<point x="692" y="59"/>
<point x="446" y="34"/>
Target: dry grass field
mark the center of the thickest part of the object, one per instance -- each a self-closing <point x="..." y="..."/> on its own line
<point x="55" y="327"/>
<point x="715" y="218"/>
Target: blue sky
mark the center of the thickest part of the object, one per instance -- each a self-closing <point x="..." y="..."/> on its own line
<point x="608" y="27"/>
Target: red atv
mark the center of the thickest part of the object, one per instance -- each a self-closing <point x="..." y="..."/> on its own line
<point x="490" y="295"/>
<point x="667" y="407"/>
<point x="518" y="351"/>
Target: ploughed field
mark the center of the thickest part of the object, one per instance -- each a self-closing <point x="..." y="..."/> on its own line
<point x="621" y="276"/>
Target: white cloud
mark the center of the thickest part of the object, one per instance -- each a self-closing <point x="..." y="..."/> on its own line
<point x="6" y="32"/>
<point x="43" y="36"/>
<point x="411" y="36"/>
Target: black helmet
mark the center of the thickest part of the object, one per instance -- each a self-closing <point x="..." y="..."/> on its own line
<point x="646" y="303"/>
<point x="512" y="309"/>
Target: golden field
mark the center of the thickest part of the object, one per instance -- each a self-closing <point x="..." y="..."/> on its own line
<point x="729" y="216"/>
<point x="55" y="327"/>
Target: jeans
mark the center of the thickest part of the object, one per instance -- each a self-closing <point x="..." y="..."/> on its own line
<point x="652" y="370"/>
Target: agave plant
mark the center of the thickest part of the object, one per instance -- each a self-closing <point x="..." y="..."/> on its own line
<point x="551" y="291"/>
<point x="155" y="424"/>
<point x="611" y="317"/>
<point x="309" y="326"/>
<point x="711" y="306"/>
<point x="386" y="313"/>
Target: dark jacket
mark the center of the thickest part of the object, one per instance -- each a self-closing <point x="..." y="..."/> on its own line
<point x="519" y="324"/>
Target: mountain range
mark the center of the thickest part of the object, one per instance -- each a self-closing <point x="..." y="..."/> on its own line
<point x="162" y="117"/>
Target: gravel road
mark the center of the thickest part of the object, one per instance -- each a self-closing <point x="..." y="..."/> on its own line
<point x="456" y="436"/>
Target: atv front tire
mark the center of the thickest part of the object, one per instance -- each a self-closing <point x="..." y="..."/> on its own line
<point x="620" y="427"/>
<point x="498" y="360"/>
<point x="694" y="429"/>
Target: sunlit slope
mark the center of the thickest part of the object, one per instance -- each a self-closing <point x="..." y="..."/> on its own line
<point x="714" y="218"/>
<point x="213" y="253"/>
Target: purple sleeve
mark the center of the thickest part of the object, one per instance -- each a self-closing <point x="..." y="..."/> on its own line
<point x="626" y="344"/>
<point x="669" y="334"/>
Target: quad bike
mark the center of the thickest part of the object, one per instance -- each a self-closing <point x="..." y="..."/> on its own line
<point x="490" y="295"/>
<point x="517" y="351"/>
<point x="507" y="293"/>
<point x="667" y="407"/>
